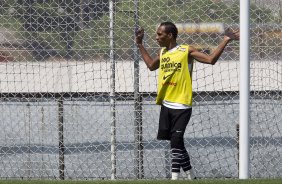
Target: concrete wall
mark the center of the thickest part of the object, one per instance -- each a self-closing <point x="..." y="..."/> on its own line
<point x="94" y="76"/>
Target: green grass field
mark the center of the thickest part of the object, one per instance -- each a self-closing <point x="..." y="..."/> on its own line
<point x="202" y="181"/>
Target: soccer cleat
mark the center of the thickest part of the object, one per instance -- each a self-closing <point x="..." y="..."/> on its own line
<point x="174" y="176"/>
<point x="190" y="175"/>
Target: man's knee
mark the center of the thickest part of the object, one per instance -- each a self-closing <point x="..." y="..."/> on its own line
<point x="177" y="142"/>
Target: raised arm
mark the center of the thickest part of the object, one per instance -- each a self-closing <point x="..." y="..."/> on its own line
<point x="214" y="56"/>
<point x="152" y="63"/>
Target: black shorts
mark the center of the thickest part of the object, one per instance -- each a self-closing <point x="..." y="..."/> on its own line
<point x="173" y="122"/>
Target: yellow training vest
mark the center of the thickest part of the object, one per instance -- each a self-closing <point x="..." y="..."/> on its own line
<point x="174" y="81"/>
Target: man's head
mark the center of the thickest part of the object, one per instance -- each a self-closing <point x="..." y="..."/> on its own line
<point x="170" y="28"/>
<point x="166" y="34"/>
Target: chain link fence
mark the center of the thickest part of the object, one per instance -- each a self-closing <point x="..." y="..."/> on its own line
<point x="77" y="102"/>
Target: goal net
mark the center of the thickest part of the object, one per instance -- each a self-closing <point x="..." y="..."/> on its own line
<point x="77" y="101"/>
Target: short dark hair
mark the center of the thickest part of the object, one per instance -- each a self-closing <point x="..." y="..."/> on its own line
<point x="170" y="28"/>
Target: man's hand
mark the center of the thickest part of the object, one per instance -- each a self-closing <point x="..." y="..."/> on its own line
<point x="231" y="35"/>
<point x="139" y="35"/>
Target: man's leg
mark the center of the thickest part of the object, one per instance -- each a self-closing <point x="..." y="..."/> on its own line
<point x="176" y="157"/>
<point x="186" y="165"/>
<point x="185" y="160"/>
<point x="180" y="159"/>
<point x="180" y="156"/>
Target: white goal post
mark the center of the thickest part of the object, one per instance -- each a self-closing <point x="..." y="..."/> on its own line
<point x="244" y="133"/>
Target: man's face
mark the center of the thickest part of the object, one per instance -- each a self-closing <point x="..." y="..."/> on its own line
<point x="162" y="37"/>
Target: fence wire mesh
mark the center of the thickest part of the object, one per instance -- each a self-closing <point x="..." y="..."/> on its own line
<point x="77" y="102"/>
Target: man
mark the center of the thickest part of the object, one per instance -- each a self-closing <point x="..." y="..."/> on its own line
<point x="175" y="64"/>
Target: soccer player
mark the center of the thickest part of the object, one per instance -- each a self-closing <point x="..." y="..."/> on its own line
<point x="175" y="64"/>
